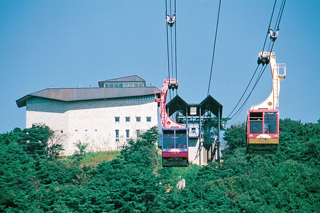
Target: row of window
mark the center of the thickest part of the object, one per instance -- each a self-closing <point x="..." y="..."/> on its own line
<point x="124" y="84"/>
<point x="263" y="122"/>
<point x="138" y="98"/>
<point x="127" y="134"/>
<point x="138" y="119"/>
<point x="84" y="130"/>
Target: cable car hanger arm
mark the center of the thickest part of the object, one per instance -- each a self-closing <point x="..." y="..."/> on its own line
<point x="166" y="121"/>
<point x="273" y="100"/>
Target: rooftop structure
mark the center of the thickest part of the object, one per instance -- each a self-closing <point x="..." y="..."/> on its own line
<point x="129" y="81"/>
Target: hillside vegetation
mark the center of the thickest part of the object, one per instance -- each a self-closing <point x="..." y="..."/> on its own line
<point x="33" y="178"/>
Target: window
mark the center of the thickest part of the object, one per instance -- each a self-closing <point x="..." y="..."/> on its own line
<point x="127" y="119"/>
<point x="148" y="119"/>
<point x="193" y="110"/>
<point x="138" y="119"/>
<point x="117" y="135"/>
<point x="116" y="119"/>
<point x="256" y="122"/>
<point x="181" y="139"/>
<point x="175" y="139"/>
<point x="168" y="139"/>
<point x="270" y="122"/>
<point x="127" y="134"/>
<point x="138" y="133"/>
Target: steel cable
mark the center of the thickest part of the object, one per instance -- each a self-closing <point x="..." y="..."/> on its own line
<point x="214" y="47"/>
<point x="270" y="48"/>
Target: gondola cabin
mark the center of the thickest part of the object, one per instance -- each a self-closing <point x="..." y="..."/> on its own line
<point x="175" y="147"/>
<point x="262" y="131"/>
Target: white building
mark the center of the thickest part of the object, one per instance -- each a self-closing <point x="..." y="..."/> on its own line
<point x="105" y="117"/>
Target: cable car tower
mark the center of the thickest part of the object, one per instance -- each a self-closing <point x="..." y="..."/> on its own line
<point x="263" y="119"/>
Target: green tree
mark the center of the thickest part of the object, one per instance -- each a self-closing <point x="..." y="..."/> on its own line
<point x="135" y="181"/>
<point x="34" y="140"/>
<point x="235" y="136"/>
<point x="82" y="147"/>
<point x="55" y="146"/>
<point x="128" y="183"/>
<point x="18" y="181"/>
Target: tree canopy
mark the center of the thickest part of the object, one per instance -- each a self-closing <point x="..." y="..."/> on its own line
<point x="35" y="179"/>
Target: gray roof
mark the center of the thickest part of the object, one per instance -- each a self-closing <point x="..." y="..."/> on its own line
<point x="81" y="94"/>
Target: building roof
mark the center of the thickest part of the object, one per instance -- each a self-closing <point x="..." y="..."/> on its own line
<point x="208" y="104"/>
<point x="177" y="104"/>
<point x="131" y="78"/>
<point x="211" y="104"/>
<point x="83" y="94"/>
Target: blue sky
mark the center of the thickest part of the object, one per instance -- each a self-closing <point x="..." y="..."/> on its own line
<point x="66" y="43"/>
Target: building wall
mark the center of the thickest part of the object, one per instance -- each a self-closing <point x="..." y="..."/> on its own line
<point x="93" y="122"/>
<point x="193" y="152"/>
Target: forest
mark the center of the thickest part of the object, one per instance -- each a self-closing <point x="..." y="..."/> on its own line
<point x="34" y="178"/>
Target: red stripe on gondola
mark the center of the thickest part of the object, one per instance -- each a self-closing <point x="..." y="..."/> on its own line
<point x="276" y="136"/>
<point x="178" y="155"/>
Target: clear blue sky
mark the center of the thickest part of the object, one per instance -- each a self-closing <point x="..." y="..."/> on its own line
<point x="66" y="43"/>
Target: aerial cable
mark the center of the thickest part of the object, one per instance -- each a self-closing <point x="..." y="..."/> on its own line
<point x="244" y="91"/>
<point x="273" y="33"/>
<point x="265" y="40"/>
<point x="280" y="14"/>
<point x="271" y="48"/>
<point x="171" y="41"/>
<point x="262" y="60"/>
<point x="175" y="42"/>
<point x="254" y="86"/>
<point x="214" y="47"/>
<point x="171" y="45"/>
<point x="245" y="101"/>
<point x="284" y="3"/>
<point x="171" y="51"/>
<point x="168" y="55"/>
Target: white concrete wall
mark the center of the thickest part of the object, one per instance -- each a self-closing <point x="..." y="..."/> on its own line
<point x="92" y="122"/>
<point x="193" y="152"/>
